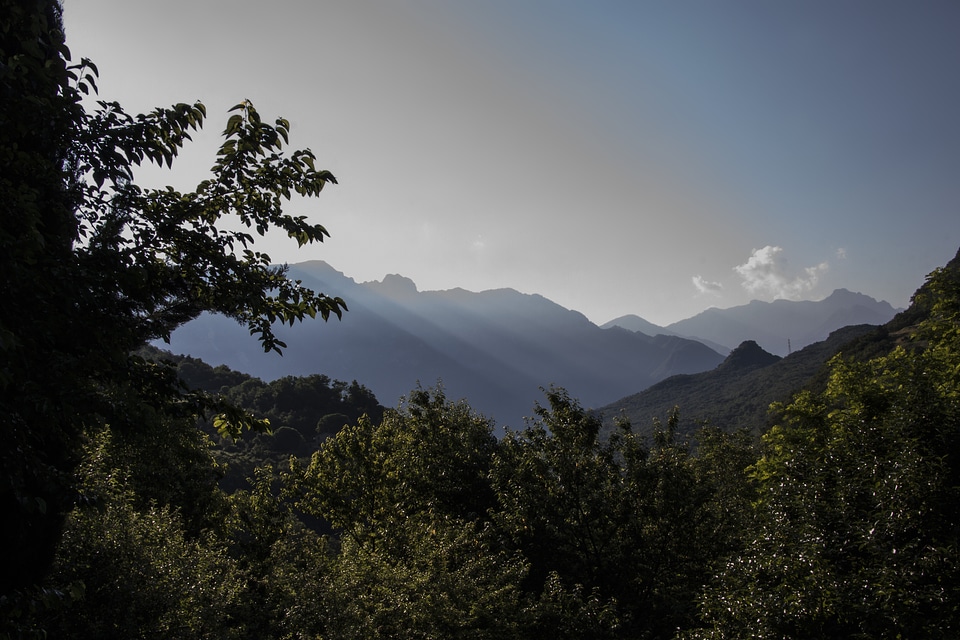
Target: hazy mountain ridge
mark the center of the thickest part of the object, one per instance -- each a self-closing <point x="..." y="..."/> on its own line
<point x="632" y="322"/>
<point x="782" y="326"/>
<point x="637" y="324"/>
<point x="495" y="348"/>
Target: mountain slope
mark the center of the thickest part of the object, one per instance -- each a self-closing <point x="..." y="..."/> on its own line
<point x="733" y="395"/>
<point x="636" y="323"/>
<point x="633" y="322"/>
<point x="737" y="393"/>
<point x="495" y="348"/>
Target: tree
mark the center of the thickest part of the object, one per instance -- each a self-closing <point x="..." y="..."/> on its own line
<point x="857" y="523"/>
<point x="428" y="455"/>
<point x="416" y="554"/>
<point x="142" y="574"/>
<point x="636" y="526"/>
<point x="95" y="266"/>
<point x="448" y="578"/>
<point x="175" y="556"/>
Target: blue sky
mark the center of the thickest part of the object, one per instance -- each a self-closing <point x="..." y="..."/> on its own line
<point x="654" y="158"/>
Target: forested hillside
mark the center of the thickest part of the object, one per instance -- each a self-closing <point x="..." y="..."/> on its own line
<point x="301" y="412"/>
<point x="841" y="521"/>
<point x="738" y="393"/>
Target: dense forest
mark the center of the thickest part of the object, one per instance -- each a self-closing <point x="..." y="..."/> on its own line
<point x="302" y="412"/>
<point x="125" y="517"/>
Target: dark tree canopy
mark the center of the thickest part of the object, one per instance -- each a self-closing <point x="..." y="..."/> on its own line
<point x="94" y="266"/>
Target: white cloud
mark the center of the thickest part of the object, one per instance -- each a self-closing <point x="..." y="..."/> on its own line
<point x="841" y="253"/>
<point x="765" y="273"/>
<point x="706" y="286"/>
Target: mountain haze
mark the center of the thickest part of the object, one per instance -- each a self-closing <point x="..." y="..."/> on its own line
<point x="775" y="325"/>
<point x="495" y="348"/>
<point x="633" y="322"/>
<point x="738" y="392"/>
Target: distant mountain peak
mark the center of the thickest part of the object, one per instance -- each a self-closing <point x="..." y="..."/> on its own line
<point x="637" y="324"/>
<point x="395" y="285"/>
<point x="318" y="267"/>
<point x="842" y="295"/>
<point x="749" y="355"/>
<point x="497" y="348"/>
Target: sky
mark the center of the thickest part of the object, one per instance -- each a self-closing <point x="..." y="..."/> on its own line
<point x="617" y="157"/>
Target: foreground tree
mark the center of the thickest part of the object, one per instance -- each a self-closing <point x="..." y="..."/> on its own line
<point x="429" y="455"/>
<point x="408" y="498"/>
<point x="94" y="266"/>
<point x="634" y="525"/>
<point x="857" y="531"/>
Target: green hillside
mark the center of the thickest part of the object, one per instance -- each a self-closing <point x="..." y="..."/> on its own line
<point x="302" y="412"/>
<point x="735" y="395"/>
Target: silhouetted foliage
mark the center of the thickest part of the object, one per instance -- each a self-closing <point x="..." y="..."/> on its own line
<point x="95" y="266"/>
<point x="639" y="525"/>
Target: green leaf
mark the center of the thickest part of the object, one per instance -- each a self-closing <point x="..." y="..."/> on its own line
<point x="233" y="125"/>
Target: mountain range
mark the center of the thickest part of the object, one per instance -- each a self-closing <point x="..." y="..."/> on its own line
<point x="737" y="394"/>
<point x="778" y="327"/>
<point x="497" y="348"/>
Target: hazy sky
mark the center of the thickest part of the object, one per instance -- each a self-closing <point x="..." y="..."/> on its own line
<point x="655" y="158"/>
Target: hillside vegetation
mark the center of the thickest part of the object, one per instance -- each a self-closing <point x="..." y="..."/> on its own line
<point x="738" y="393"/>
<point x="301" y="412"/>
<point x="840" y="521"/>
